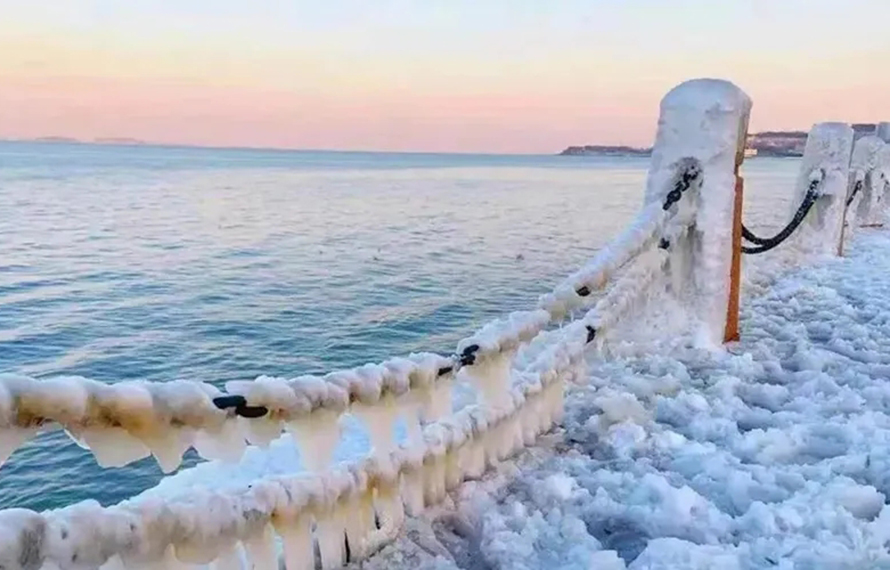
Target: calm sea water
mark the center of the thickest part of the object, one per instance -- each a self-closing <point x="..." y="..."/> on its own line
<point x="160" y="263"/>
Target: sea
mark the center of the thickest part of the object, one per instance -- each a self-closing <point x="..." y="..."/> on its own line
<point x="161" y="263"/>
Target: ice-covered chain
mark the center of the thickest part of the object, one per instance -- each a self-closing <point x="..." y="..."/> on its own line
<point x="127" y="421"/>
<point x="628" y="290"/>
<point x="648" y="229"/>
<point x="348" y="512"/>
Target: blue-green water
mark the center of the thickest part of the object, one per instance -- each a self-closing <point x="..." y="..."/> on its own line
<point x="160" y="263"/>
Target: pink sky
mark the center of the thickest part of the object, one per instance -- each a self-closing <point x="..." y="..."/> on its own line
<point x="356" y="86"/>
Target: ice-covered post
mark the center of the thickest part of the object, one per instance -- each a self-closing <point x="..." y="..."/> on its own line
<point x="705" y="120"/>
<point x="883" y="132"/>
<point x="824" y="171"/>
<point x="880" y="187"/>
<point x="863" y="190"/>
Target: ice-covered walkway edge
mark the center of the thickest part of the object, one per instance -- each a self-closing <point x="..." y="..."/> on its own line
<point x="772" y="454"/>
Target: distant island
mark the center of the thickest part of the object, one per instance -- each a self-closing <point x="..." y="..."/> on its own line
<point x="605" y="150"/>
<point x="118" y="140"/>
<point x="100" y="140"/>
<point x="766" y="143"/>
<point x="66" y="140"/>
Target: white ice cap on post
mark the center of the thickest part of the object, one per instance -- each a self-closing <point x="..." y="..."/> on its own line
<point x="705" y="120"/>
<point x="827" y="154"/>
<point x="863" y="174"/>
<point x="883" y="131"/>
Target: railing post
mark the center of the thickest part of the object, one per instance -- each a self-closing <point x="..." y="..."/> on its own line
<point x="825" y="166"/>
<point x="883" y="131"/>
<point x="863" y="190"/>
<point x="705" y="119"/>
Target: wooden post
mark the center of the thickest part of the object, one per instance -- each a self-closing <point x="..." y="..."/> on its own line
<point x="840" y="244"/>
<point x="735" y="269"/>
<point x="731" y="331"/>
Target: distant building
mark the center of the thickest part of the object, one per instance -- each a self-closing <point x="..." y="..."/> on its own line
<point x="778" y="143"/>
<point x="792" y="143"/>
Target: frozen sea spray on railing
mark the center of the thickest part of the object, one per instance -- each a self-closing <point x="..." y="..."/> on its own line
<point x="680" y="247"/>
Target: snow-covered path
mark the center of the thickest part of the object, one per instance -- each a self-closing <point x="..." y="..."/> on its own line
<point x="775" y="454"/>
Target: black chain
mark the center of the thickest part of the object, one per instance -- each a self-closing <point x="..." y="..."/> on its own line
<point x="239" y="403"/>
<point x="690" y="173"/>
<point x="855" y="191"/>
<point x="766" y="244"/>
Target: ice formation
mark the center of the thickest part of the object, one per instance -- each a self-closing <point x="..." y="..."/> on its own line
<point x="882" y="131"/>
<point x="124" y="422"/>
<point x="864" y="187"/>
<point x="825" y="166"/>
<point x="332" y="509"/>
<point x="771" y="455"/>
<point x="676" y="248"/>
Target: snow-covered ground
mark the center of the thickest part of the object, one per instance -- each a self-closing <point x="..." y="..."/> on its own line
<point x="773" y="454"/>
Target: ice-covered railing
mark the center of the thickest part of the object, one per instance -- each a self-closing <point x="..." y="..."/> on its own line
<point x="679" y="246"/>
<point x="347" y="512"/>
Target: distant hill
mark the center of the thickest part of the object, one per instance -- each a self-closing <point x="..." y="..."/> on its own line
<point x="118" y="140"/>
<point x="605" y="150"/>
<point x="766" y="143"/>
<point x="56" y="140"/>
<point x="792" y="143"/>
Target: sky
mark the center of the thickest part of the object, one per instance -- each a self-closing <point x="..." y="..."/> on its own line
<point x="511" y="76"/>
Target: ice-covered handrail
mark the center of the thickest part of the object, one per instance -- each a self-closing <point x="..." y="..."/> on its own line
<point x="628" y="289"/>
<point x="224" y="529"/>
<point x="643" y="233"/>
<point x="127" y="421"/>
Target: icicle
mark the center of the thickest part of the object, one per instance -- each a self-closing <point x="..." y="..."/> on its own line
<point x="491" y="377"/>
<point x="411" y="417"/>
<point x="111" y="446"/>
<point x="260" y="550"/>
<point x="514" y="431"/>
<point x="330" y="533"/>
<point x="317" y="436"/>
<point x="229" y="559"/>
<point x="436" y="401"/>
<point x="359" y="523"/>
<point x="434" y="479"/>
<point x="389" y="507"/>
<point x="224" y="444"/>
<point x="113" y="563"/>
<point x="412" y="490"/>
<point x="263" y="431"/>
<point x="172" y="562"/>
<point x="296" y="535"/>
<point x="529" y="418"/>
<point x="167" y="561"/>
<point x="380" y="420"/>
<point x="11" y="438"/>
<point x="453" y="473"/>
<point x="472" y="457"/>
<point x="168" y="445"/>
<point x="491" y="445"/>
